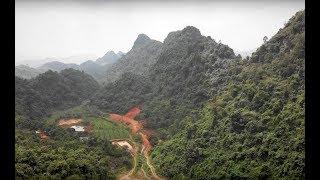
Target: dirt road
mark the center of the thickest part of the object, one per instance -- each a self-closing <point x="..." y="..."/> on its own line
<point x="137" y="128"/>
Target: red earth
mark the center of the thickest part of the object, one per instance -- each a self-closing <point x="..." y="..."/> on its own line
<point x="134" y="125"/>
<point x="133" y="113"/>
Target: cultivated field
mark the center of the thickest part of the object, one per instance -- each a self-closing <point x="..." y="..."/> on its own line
<point x="104" y="129"/>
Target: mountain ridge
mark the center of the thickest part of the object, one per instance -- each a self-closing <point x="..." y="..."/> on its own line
<point x="92" y="67"/>
<point x="138" y="60"/>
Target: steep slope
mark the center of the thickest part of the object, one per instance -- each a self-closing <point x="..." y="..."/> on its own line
<point x="187" y="60"/>
<point x="26" y="72"/>
<point x="189" y="71"/>
<point x="51" y="91"/>
<point x="253" y="128"/>
<point x="128" y="91"/>
<point x="138" y="60"/>
<point x="93" y="69"/>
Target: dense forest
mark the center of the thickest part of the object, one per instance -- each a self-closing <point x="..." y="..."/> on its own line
<point x="50" y="91"/>
<point x="222" y="116"/>
<point x="216" y="115"/>
<point x="64" y="156"/>
<point x="255" y="126"/>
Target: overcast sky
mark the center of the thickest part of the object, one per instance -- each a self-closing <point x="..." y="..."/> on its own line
<point x="78" y="31"/>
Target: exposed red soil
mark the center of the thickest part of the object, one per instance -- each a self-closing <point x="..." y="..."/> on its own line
<point x="146" y="143"/>
<point x="134" y="125"/>
<point x="133" y="113"/>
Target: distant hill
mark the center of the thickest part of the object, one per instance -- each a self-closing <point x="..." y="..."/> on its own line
<point x="35" y="63"/>
<point x="57" y="66"/>
<point x="138" y="60"/>
<point x="26" y="72"/>
<point x="92" y="68"/>
<point x="95" y="68"/>
<point x="109" y="58"/>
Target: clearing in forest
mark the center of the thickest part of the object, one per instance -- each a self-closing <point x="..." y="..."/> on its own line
<point x="69" y="122"/>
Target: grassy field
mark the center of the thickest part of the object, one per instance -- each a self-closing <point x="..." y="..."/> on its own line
<point x="104" y="129"/>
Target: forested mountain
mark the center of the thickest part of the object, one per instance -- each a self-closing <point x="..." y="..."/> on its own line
<point x="138" y="60"/>
<point x="221" y="116"/>
<point x="119" y="96"/>
<point x="188" y="69"/>
<point x="215" y="115"/>
<point x="51" y="91"/>
<point x="253" y="128"/>
<point x="26" y="72"/>
<point x="95" y="68"/>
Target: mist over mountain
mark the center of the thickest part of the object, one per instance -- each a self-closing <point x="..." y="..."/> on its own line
<point x="35" y="63"/>
<point x="27" y="72"/>
<point x="94" y="68"/>
<point x="57" y="66"/>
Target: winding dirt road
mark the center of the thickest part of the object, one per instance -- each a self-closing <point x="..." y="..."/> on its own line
<point x="137" y="128"/>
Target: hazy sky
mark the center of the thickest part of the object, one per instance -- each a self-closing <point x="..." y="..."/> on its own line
<point x="78" y="31"/>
